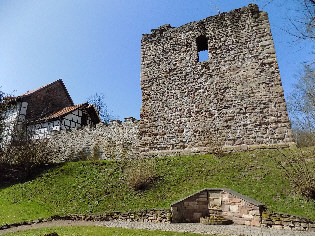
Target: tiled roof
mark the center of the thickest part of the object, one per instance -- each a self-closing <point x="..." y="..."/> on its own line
<point x="45" y="86"/>
<point x="35" y="90"/>
<point x="236" y="194"/>
<point x="65" y="111"/>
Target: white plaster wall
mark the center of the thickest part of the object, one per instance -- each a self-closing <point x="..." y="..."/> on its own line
<point x="10" y="120"/>
<point x="72" y="120"/>
<point x="44" y="130"/>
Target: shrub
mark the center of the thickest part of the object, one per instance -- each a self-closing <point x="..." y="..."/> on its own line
<point x="27" y="156"/>
<point x="304" y="138"/>
<point x="299" y="169"/>
<point x="96" y="152"/>
<point x="52" y="234"/>
<point x="139" y="173"/>
<point x="216" y="147"/>
<point x="215" y="143"/>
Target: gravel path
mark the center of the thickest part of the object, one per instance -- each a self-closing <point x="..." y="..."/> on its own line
<point x="191" y="228"/>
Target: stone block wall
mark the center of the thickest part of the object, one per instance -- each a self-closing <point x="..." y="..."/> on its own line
<point x="285" y="221"/>
<point x="115" y="140"/>
<point x="148" y="215"/>
<point x="235" y="98"/>
<point x="232" y="100"/>
<point x="218" y="202"/>
<point x="238" y="210"/>
<point x="191" y="209"/>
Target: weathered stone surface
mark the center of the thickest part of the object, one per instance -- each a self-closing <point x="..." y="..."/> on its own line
<point x="245" y="211"/>
<point x="235" y="98"/>
<point x="221" y="202"/>
<point x="285" y="221"/>
<point x="116" y="140"/>
<point x="234" y="208"/>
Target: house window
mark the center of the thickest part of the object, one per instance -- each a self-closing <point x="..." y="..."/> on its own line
<point x="202" y="47"/>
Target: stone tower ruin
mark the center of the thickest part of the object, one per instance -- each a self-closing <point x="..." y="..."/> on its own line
<point x="234" y="99"/>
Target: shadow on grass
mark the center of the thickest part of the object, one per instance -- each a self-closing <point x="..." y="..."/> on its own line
<point x="15" y="174"/>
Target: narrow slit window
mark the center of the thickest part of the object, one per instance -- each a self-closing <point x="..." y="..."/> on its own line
<point x="202" y="47"/>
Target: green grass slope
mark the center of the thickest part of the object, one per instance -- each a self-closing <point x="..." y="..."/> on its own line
<point x="95" y="187"/>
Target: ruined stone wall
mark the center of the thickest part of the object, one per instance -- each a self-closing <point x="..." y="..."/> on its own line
<point x="233" y="99"/>
<point x="106" y="141"/>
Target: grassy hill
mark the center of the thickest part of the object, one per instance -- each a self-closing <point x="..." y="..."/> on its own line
<point x="92" y="187"/>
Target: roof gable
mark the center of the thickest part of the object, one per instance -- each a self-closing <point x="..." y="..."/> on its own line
<point x="59" y="83"/>
<point x="46" y="100"/>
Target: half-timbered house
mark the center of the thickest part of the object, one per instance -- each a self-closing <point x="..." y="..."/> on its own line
<point x="49" y="108"/>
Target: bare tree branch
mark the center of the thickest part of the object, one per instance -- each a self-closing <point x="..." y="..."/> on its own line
<point x="267" y="4"/>
<point x="98" y="100"/>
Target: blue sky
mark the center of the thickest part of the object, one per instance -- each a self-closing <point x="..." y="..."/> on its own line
<point x="94" y="45"/>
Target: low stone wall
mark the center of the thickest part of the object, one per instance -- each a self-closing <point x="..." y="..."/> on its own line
<point x="285" y="221"/>
<point x="152" y="215"/>
<point x="115" y="140"/>
<point x="273" y="220"/>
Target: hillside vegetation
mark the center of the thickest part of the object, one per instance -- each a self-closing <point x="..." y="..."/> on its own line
<point x="92" y="187"/>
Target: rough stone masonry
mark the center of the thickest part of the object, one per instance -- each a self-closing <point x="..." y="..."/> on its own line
<point x="235" y="98"/>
